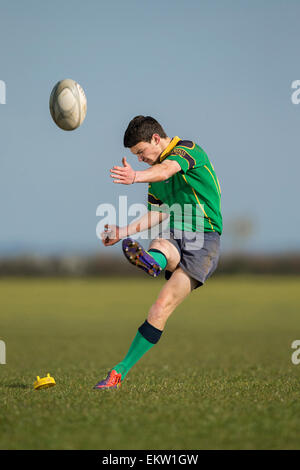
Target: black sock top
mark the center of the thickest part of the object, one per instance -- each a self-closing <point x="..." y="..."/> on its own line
<point x="150" y="333"/>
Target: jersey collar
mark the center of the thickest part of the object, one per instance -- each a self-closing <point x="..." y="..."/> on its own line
<point x="170" y="147"/>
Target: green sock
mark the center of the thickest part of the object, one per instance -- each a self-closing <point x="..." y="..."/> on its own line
<point x="159" y="258"/>
<point x="138" y="348"/>
<point x="146" y="337"/>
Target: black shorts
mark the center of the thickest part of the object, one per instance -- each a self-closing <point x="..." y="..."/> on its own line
<point x="199" y="253"/>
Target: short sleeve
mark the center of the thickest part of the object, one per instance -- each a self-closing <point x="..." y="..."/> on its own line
<point x="185" y="160"/>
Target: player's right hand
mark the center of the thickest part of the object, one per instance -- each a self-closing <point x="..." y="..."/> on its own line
<point x="111" y="235"/>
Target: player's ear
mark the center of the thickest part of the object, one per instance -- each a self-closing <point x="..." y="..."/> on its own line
<point x="155" y="139"/>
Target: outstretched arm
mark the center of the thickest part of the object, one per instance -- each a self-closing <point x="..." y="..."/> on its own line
<point x="113" y="233"/>
<point x="160" y="172"/>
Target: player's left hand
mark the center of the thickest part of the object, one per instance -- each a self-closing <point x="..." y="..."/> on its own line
<point x="111" y="235"/>
<point x="123" y="174"/>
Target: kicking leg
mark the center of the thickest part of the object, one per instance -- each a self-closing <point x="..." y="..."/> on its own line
<point x="149" y="333"/>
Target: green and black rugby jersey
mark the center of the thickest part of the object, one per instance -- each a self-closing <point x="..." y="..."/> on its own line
<point x="193" y="195"/>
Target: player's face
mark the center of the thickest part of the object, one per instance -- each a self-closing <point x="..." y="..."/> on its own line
<point x="148" y="152"/>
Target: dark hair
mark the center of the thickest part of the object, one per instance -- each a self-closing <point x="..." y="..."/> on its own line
<point x="141" y="129"/>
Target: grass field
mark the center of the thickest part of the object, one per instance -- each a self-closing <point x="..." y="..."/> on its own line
<point x="221" y="376"/>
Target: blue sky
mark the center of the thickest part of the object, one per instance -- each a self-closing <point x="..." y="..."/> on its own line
<point x="216" y="72"/>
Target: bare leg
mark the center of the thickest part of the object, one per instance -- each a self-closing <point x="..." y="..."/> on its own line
<point x="172" y="294"/>
<point x="169" y="250"/>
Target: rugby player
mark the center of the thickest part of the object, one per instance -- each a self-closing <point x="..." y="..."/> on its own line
<point x="180" y="175"/>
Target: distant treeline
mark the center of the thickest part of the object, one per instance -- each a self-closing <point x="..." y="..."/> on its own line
<point x="103" y="265"/>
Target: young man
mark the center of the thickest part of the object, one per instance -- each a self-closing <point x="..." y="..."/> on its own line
<point x="184" y="188"/>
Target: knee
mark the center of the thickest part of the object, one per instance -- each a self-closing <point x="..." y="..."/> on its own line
<point x="161" y="245"/>
<point x="162" y="308"/>
<point x="168" y="249"/>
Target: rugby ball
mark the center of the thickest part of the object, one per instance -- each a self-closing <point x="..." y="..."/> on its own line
<point x="68" y="104"/>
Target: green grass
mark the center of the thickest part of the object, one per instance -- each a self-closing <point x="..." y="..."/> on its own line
<point x="221" y="376"/>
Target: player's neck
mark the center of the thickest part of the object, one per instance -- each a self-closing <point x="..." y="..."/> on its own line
<point x="164" y="142"/>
